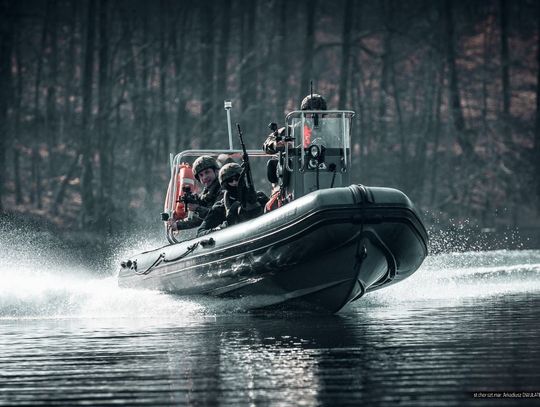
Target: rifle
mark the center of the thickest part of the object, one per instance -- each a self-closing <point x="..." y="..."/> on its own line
<point x="188" y="197"/>
<point x="246" y="171"/>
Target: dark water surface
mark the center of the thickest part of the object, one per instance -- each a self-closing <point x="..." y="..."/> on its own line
<point x="463" y="324"/>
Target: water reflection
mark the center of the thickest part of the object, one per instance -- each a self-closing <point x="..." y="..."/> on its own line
<point x="434" y="339"/>
<point x="372" y="354"/>
<point x="245" y="359"/>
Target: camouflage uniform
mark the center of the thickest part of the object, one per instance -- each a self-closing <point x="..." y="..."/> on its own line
<point x="229" y="210"/>
<point x="207" y="197"/>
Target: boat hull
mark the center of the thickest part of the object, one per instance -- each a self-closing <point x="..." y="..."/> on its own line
<point x="321" y="251"/>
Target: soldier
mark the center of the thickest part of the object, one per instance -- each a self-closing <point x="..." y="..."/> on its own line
<point x="205" y="170"/>
<point x="275" y="142"/>
<point x="235" y="206"/>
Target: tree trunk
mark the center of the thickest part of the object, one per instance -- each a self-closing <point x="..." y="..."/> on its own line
<point x="417" y="183"/>
<point x="147" y="148"/>
<point x="359" y="132"/>
<point x="178" y="46"/>
<point x="104" y="103"/>
<point x="281" y="54"/>
<point x="62" y="187"/>
<point x="223" y="51"/>
<point x="163" y="137"/>
<point x="207" y="64"/>
<point x="309" y="42"/>
<point x="505" y="71"/>
<point x="536" y="151"/>
<point x="17" y="125"/>
<point x="51" y="115"/>
<point x="487" y="215"/>
<point x="37" y="188"/>
<point x="401" y="127"/>
<point x="345" y="55"/>
<point x="248" y="70"/>
<point x="390" y="60"/>
<point x="462" y="135"/>
<point x="437" y="136"/>
<point x="70" y="77"/>
<point x="87" y="192"/>
<point x="137" y="89"/>
<point x="67" y="115"/>
<point x="383" y="94"/>
<point x="485" y="77"/>
<point x="6" y="45"/>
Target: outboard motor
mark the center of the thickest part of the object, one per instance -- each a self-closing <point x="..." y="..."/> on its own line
<point x="318" y="154"/>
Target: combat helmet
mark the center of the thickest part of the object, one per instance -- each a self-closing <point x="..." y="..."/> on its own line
<point x="202" y="163"/>
<point x="229" y="171"/>
<point x="313" y="102"/>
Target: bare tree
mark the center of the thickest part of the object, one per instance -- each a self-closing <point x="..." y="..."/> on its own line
<point x="163" y="141"/>
<point x="463" y="136"/>
<point x="505" y="69"/>
<point x="248" y="71"/>
<point x="223" y="50"/>
<point x="6" y="45"/>
<point x="51" y="117"/>
<point x="36" y="194"/>
<point x="207" y="62"/>
<point x="178" y="32"/>
<point x="282" y="33"/>
<point x="309" y="47"/>
<point x="105" y="152"/>
<point x="536" y="151"/>
<point x="17" y="119"/>
<point x="87" y="192"/>
<point x="345" y="54"/>
<point x="430" y="93"/>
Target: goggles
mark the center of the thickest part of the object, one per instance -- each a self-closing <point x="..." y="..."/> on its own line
<point x="233" y="178"/>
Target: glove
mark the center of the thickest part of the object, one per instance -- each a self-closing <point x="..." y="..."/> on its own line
<point x="250" y="211"/>
<point x="232" y="213"/>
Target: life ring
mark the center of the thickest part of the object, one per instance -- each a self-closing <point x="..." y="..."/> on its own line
<point x="183" y="180"/>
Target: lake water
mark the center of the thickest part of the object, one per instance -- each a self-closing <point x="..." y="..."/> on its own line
<point x="463" y="330"/>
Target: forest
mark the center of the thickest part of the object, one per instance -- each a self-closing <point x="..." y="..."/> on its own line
<point x="95" y="95"/>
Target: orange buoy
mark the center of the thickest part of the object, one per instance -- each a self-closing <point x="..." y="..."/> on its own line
<point x="184" y="181"/>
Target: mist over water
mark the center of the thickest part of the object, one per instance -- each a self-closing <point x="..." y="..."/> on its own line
<point x="464" y="322"/>
<point x="42" y="279"/>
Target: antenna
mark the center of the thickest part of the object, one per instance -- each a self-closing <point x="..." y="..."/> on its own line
<point x="228" y="105"/>
<point x="315" y="117"/>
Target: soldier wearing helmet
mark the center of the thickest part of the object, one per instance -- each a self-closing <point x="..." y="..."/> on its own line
<point x="205" y="170"/>
<point x="313" y="102"/>
<point x="235" y="206"/>
<point x="275" y="140"/>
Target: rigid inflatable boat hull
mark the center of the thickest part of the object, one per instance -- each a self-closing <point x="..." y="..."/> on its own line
<point x="323" y="250"/>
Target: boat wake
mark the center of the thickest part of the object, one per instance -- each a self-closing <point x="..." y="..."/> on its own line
<point x="39" y="281"/>
<point x="42" y="283"/>
<point x="455" y="277"/>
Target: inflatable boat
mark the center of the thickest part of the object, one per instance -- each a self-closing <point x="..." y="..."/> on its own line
<point x="328" y="246"/>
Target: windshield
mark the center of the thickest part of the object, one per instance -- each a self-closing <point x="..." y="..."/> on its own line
<point x="328" y="128"/>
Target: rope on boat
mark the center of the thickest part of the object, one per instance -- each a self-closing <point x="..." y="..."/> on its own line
<point x="161" y="258"/>
<point x="189" y="250"/>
